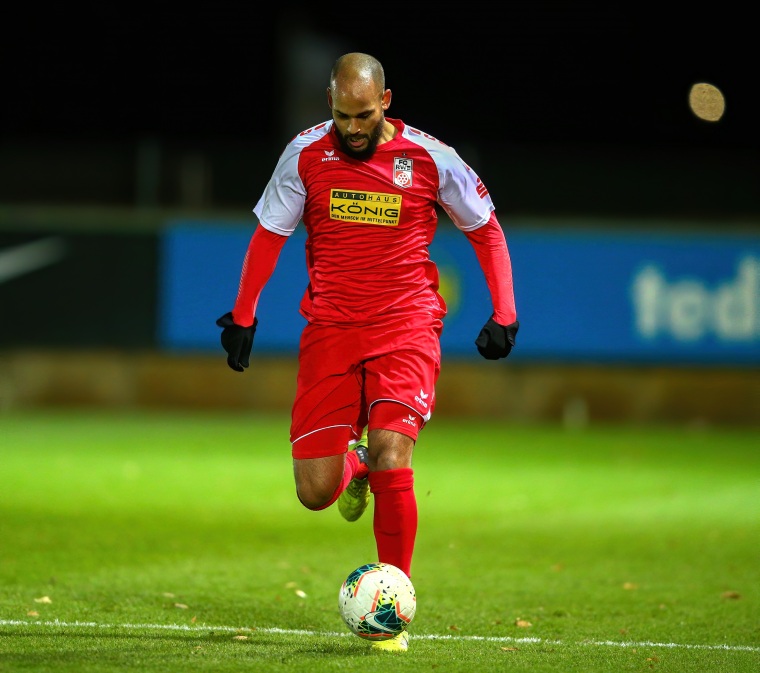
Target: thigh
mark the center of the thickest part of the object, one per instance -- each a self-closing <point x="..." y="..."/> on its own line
<point x="329" y="408"/>
<point x="400" y="390"/>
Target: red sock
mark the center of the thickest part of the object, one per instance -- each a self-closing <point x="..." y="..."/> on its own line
<point x="395" y="522"/>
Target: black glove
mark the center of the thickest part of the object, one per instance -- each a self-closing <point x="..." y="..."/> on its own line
<point x="495" y="341"/>
<point x="237" y="341"/>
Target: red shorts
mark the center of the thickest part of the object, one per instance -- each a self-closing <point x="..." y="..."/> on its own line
<point x="383" y="376"/>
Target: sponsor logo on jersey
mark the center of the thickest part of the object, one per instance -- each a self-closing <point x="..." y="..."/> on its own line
<point x="330" y="156"/>
<point x="365" y="207"/>
<point x="402" y="172"/>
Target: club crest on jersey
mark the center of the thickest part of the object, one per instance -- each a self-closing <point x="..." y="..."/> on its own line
<point x="402" y="172"/>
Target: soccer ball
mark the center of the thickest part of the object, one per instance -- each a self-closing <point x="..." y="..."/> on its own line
<point x="377" y="601"/>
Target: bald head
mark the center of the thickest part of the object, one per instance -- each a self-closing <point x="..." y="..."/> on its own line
<point x="357" y="70"/>
<point x="358" y="99"/>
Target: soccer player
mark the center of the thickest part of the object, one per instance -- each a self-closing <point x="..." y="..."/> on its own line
<point x="367" y="187"/>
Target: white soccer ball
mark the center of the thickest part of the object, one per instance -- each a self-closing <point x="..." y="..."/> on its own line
<point x="377" y="601"/>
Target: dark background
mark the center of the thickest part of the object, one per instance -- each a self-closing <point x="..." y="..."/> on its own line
<point x="116" y="118"/>
<point x="562" y="108"/>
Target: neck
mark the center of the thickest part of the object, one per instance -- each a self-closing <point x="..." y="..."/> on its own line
<point x="389" y="132"/>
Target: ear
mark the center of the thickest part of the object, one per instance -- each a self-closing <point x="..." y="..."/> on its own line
<point x="385" y="101"/>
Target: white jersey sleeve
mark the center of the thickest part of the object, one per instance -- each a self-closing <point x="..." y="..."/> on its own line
<point x="461" y="193"/>
<point x="281" y="206"/>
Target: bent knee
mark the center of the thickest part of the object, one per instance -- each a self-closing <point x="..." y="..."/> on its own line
<point x="317" y="480"/>
<point x="314" y="498"/>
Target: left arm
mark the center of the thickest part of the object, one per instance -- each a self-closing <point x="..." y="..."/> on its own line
<point x="497" y="337"/>
<point x="466" y="201"/>
<point x="491" y="250"/>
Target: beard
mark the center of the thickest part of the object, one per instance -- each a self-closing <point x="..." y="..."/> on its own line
<point x="373" y="137"/>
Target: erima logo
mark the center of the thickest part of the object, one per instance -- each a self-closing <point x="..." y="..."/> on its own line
<point x="23" y="259"/>
<point x="411" y="420"/>
<point x="330" y="156"/>
<point x="420" y="399"/>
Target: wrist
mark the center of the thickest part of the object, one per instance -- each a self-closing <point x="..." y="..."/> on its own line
<point x="242" y="317"/>
<point x="504" y="318"/>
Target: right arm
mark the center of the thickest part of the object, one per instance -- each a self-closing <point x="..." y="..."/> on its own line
<point x="239" y="325"/>
<point x="259" y="264"/>
<point x="279" y="210"/>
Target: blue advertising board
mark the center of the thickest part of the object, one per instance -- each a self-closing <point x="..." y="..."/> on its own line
<point x="591" y="295"/>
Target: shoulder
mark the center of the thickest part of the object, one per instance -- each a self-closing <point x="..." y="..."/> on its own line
<point x="460" y="190"/>
<point x="444" y="156"/>
<point x="311" y="135"/>
<point x="292" y="156"/>
<point x="447" y="161"/>
<point x="426" y="141"/>
<point x="306" y="139"/>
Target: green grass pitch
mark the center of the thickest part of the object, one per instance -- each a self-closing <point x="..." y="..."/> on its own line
<point x="174" y="542"/>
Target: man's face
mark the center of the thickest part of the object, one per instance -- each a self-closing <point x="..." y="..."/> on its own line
<point x="359" y="115"/>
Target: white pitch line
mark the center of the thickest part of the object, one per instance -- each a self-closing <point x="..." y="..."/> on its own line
<point x="417" y="636"/>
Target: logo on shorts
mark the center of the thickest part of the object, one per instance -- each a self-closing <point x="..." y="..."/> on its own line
<point x="402" y="172"/>
<point x="411" y="420"/>
<point x="420" y="399"/>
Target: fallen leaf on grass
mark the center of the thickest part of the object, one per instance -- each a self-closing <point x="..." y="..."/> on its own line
<point x="630" y="586"/>
<point x="43" y="599"/>
<point x="181" y="606"/>
<point x="300" y="594"/>
<point x="733" y="595"/>
<point x="509" y="649"/>
<point x="522" y="623"/>
<point x="32" y="613"/>
<point x="239" y="637"/>
<point x="453" y="627"/>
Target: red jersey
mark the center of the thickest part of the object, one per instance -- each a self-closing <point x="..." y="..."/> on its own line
<point x="369" y="222"/>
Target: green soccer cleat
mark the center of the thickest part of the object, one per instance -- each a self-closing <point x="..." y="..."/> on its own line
<point x="355" y="498"/>
<point x="399" y="643"/>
